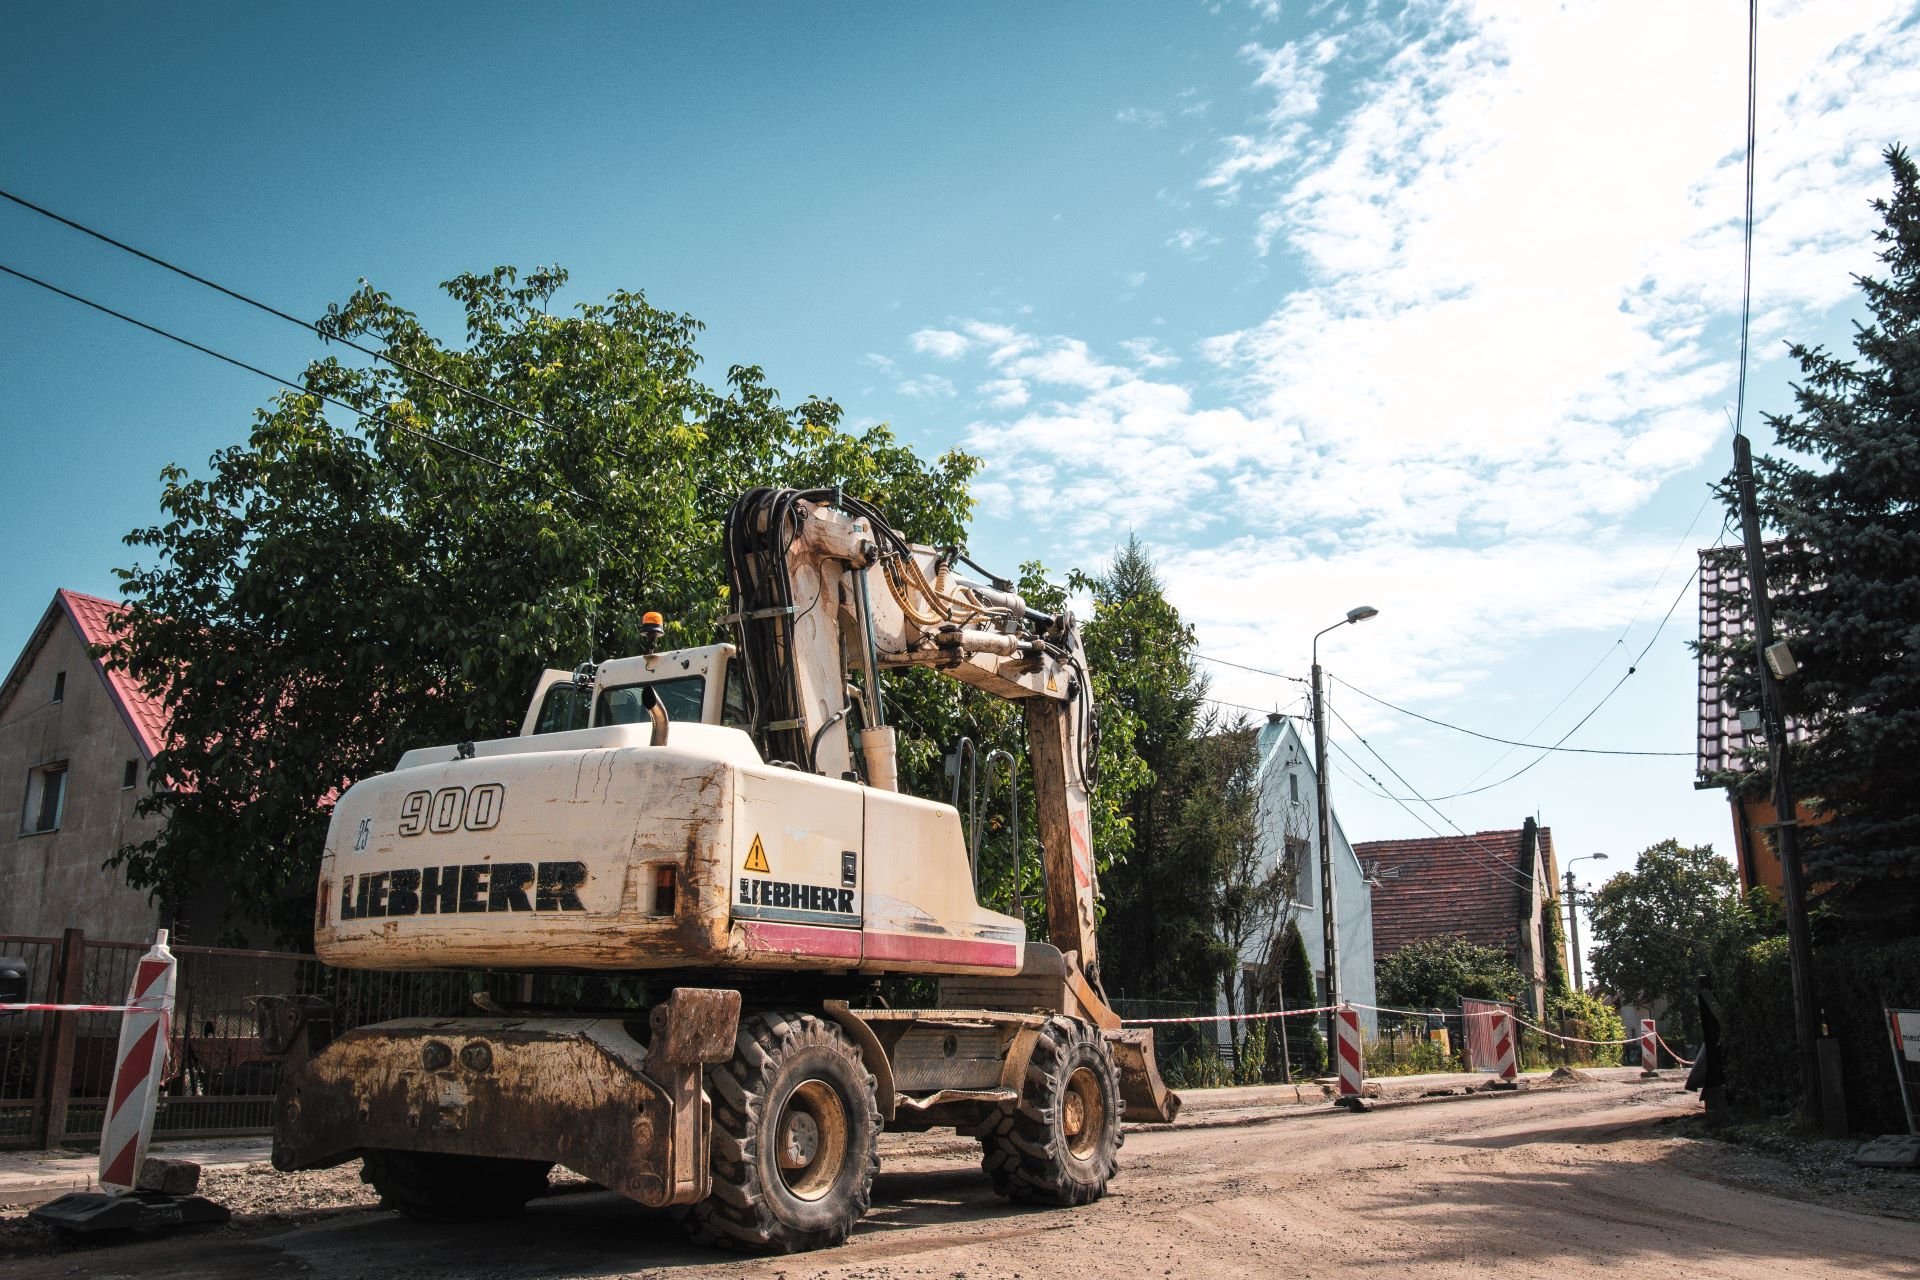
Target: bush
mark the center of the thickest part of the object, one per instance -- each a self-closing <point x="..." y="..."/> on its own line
<point x="1592" y="1019"/>
<point x="1855" y="983"/>
<point x="1435" y="972"/>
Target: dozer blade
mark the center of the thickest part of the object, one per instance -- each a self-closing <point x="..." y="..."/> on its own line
<point x="1141" y="1088"/>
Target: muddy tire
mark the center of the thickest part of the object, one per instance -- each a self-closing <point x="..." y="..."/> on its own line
<point x="796" y="1139"/>
<point x="431" y="1187"/>
<point x="1061" y="1144"/>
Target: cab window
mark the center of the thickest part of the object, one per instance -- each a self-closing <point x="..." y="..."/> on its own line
<point x="733" y="705"/>
<point x="682" y="697"/>
<point x="564" y="708"/>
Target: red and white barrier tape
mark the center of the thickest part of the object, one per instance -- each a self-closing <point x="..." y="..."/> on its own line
<point x="67" y="1008"/>
<point x="1374" y="1008"/>
<point x="1234" y="1017"/>
<point x="1685" y="1062"/>
<point x="1570" y="1039"/>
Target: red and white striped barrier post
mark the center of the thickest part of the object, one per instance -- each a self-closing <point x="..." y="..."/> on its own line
<point x="137" y="1069"/>
<point x="1506" y="1047"/>
<point x="1649" y="1046"/>
<point x="1352" y="1060"/>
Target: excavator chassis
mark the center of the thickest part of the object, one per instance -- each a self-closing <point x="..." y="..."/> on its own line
<point x="625" y="1102"/>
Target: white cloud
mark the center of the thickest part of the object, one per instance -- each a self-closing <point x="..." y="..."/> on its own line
<point x="942" y="344"/>
<point x="1149" y="354"/>
<point x="1005" y="393"/>
<point x="1147" y="116"/>
<point x="928" y="387"/>
<point x="1516" y="241"/>
<point x="1192" y="239"/>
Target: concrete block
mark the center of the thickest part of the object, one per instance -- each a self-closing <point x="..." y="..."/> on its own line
<point x="169" y="1177"/>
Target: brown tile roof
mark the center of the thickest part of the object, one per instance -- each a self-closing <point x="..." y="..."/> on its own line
<point x="1477" y="886"/>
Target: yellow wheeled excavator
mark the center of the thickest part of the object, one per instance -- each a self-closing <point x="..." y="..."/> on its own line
<point x="728" y="819"/>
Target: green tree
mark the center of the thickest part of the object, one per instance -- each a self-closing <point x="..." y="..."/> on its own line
<point x="1160" y="937"/>
<point x="1845" y="504"/>
<point x="1434" y="973"/>
<point x="1656" y="927"/>
<point x="349" y="585"/>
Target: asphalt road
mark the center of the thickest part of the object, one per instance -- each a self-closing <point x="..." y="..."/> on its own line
<point x="1570" y="1183"/>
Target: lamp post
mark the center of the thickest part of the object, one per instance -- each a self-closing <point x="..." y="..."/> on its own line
<point x="1328" y="925"/>
<point x="1573" y="918"/>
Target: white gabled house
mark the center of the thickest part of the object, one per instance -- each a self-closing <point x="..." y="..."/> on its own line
<point x="1289" y="828"/>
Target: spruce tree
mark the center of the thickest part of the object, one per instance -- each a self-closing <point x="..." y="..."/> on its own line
<point x="1157" y="939"/>
<point x="1846" y="580"/>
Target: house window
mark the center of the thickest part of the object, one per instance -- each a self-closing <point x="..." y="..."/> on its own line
<point x="1299" y="861"/>
<point x="1293" y="787"/>
<point x="46" y="799"/>
<point x="59" y="686"/>
<point x="130" y="776"/>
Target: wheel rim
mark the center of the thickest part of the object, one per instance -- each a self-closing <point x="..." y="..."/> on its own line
<point x="811" y="1139"/>
<point x="1083" y="1113"/>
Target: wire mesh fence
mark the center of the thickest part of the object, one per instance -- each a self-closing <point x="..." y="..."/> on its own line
<point x="56" y="1070"/>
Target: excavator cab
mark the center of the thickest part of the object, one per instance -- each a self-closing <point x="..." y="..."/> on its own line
<point x="698" y="686"/>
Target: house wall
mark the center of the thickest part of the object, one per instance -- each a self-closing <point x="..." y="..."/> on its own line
<point x="1286" y="771"/>
<point x="53" y="880"/>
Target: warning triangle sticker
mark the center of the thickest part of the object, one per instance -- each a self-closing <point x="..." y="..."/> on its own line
<point x="757" y="856"/>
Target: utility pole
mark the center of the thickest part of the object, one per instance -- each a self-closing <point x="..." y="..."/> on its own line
<point x="1329" y="922"/>
<point x="1329" y="928"/>
<point x="1573" y="933"/>
<point x="1786" y="841"/>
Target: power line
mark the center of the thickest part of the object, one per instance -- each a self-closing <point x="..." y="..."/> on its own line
<point x="1605" y="698"/>
<point x="277" y="313"/>
<point x="1495" y="866"/>
<point x="1474" y="733"/>
<point x="289" y="383"/>
<point x="1260" y="671"/>
<point x="1746" y="267"/>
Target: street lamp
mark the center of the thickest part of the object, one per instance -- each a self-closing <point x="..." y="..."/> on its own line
<point x="1328" y="927"/>
<point x="1573" y="918"/>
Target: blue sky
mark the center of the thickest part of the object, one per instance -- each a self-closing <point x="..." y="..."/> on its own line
<point x="1429" y="306"/>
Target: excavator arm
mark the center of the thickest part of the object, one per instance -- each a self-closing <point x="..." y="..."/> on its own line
<point x="825" y="589"/>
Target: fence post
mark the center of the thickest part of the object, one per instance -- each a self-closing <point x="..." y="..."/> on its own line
<point x="56" y="1061"/>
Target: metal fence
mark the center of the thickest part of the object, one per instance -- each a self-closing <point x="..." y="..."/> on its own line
<point x="56" y="1069"/>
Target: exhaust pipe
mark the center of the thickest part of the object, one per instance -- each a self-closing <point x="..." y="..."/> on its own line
<point x="657" y="712"/>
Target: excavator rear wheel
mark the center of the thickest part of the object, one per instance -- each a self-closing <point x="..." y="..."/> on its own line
<point x="1061" y="1143"/>
<point x="796" y="1139"/>
<point x="429" y="1186"/>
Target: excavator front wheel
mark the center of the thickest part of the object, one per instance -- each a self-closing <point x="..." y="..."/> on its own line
<point x="796" y="1133"/>
<point x="1061" y="1143"/>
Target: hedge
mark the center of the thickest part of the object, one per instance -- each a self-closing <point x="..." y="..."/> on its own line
<point x="1855" y="983"/>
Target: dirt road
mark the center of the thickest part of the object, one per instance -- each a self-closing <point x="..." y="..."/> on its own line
<point x="1585" y="1181"/>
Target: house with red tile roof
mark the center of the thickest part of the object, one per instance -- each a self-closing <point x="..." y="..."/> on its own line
<point x="1494" y="888"/>
<point x="76" y="742"/>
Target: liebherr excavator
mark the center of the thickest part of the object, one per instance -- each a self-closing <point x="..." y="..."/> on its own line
<point x="711" y="816"/>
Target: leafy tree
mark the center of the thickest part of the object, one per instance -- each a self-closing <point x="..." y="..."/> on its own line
<point x="1434" y="973"/>
<point x="1846" y="506"/>
<point x="1656" y="927"/>
<point x="349" y="585"/>
<point x="1160" y="935"/>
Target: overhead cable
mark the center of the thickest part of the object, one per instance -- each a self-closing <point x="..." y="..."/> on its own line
<point x="289" y="383"/>
<point x="1475" y="733"/>
<point x="276" y="312"/>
